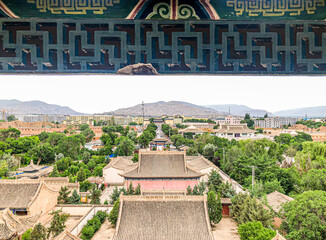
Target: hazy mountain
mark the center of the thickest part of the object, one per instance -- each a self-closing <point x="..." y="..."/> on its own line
<point x="240" y="110"/>
<point x="34" y="107"/>
<point x="168" y="108"/>
<point x="301" y="112"/>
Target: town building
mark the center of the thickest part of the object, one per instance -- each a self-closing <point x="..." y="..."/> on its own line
<point x="191" y="129"/>
<point x="172" y="217"/>
<point x="275" y="122"/>
<point x="30" y="197"/>
<point x="94" y="145"/>
<point x="228" y="120"/>
<point x="234" y="131"/>
<point x="160" y="143"/>
<point x="162" y="170"/>
<point x="117" y="166"/>
<point x="89" y="119"/>
<point x="113" y="172"/>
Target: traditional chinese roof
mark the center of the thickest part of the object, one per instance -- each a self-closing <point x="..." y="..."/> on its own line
<point x="65" y="235"/>
<point x="233" y="128"/>
<point x="163" y="139"/>
<point x="39" y="173"/>
<point x="162" y="165"/>
<point x="121" y="163"/>
<point x="16" y="194"/>
<point x="30" y="168"/>
<point x="199" y="163"/>
<point x="276" y="199"/>
<point x="278" y="237"/>
<point x="11" y="225"/>
<point x="158" y="217"/>
<point x="191" y="129"/>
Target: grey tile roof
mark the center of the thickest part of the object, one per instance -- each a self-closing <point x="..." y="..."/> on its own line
<point x="17" y="194"/>
<point x="171" y="218"/>
<point x="162" y="165"/>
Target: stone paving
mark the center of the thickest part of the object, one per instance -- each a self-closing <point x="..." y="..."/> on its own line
<point x="226" y="229"/>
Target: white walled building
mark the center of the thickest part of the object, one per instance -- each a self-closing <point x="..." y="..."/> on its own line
<point x="275" y="122"/>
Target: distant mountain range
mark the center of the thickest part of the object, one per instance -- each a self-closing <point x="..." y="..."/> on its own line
<point x="169" y="108"/>
<point x="301" y="112"/>
<point x="240" y="110"/>
<point x="34" y="107"/>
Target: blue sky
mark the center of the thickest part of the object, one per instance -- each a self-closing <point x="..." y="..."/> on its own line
<point x="100" y="93"/>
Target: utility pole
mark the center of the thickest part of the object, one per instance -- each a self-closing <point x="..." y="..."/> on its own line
<point x="253" y="176"/>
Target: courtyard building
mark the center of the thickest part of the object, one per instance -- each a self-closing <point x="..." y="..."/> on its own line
<point x="163" y="217"/>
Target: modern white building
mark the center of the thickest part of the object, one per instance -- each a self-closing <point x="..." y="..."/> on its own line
<point x="275" y="122"/>
<point x="228" y="120"/>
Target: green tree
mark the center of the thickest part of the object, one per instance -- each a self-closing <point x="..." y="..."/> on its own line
<point x="81" y="175"/>
<point x="70" y="146"/>
<point x="214" y="181"/>
<point x="113" y="216"/>
<point x="38" y="233"/>
<point x="11" y="118"/>
<point x="115" y="195"/>
<point x="75" y="198"/>
<point x="130" y="190"/>
<point x="44" y="152"/>
<point x="255" y="231"/>
<point x="315" y="179"/>
<point x="214" y="207"/>
<point x="63" y="197"/>
<point x="55" y="172"/>
<point x="58" y="223"/>
<point x="137" y="190"/>
<point x="126" y="147"/>
<point x="83" y="127"/>
<point x="9" y="133"/>
<point x="305" y="216"/>
<point x="95" y="195"/>
<point x="89" y="134"/>
<point x="86" y="157"/>
<point x="189" y="190"/>
<point x="209" y="150"/>
<point x="27" y="235"/>
<point x="3" y="168"/>
<point x="245" y="209"/>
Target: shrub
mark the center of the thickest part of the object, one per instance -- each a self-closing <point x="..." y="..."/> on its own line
<point x="101" y="215"/>
<point x="255" y="231"/>
<point x="87" y="233"/>
<point x="113" y="216"/>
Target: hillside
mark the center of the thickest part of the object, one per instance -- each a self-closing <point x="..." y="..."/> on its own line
<point x="17" y="107"/>
<point x="319" y="111"/>
<point x="168" y="108"/>
<point x="240" y="110"/>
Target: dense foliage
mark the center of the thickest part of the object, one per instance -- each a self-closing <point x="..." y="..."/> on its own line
<point x="255" y="231"/>
<point x="305" y="217"/>
<point x="93" y="225"/>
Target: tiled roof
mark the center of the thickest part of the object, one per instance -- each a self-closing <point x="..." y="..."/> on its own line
<point x="162" y="165"/>
<point x="233" y="128"/>
<point x="17" y="194"/>
<point x="168" y="218"/>
<point x="11" y="225"/>
<point x="65" y="235"/>
<point x="122" y="163"/>
<point x="191" y="129"/>
<point x="276" y="199"/>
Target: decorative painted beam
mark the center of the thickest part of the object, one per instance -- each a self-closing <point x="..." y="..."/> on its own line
<point x="172" y="47"/>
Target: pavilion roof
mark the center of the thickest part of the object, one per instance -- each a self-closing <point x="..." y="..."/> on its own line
<point x="162" y="165"/>
<point x="30" y="168"/>
<point x="163" y="217"/>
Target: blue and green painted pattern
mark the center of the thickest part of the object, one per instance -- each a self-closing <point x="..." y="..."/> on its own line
<point x="166" y="9"/>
